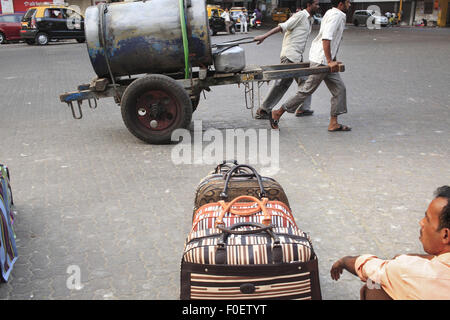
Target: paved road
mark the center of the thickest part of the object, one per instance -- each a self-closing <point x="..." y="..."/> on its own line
<point x="91" y="196"/>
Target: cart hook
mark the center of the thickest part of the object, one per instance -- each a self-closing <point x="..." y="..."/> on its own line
<point x="70" y="104"/>
<point x="92" y="105"/>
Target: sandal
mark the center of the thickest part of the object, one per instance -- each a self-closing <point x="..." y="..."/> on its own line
<point x="341" y="128"/>
<point x="261" y="114"/>
<point x="304" y="113"/>
<point x="273" y="122"/>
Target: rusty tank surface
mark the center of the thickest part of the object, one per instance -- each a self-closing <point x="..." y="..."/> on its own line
<point x="130" y="38"/>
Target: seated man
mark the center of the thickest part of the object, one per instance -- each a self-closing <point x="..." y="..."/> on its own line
<point x="408" y="277"/>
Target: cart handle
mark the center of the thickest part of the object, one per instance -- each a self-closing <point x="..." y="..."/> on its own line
<point x="234" y="42"/>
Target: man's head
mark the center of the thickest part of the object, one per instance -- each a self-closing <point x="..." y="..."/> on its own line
<point x="311" y="6"/>
<point x="342" y="5"/>
<point x="435" y="226"/>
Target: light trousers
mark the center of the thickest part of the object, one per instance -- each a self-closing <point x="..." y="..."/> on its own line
<point x="279" y="89"/>
<point x="244" y="27"/>
<point x="334" y="84"/>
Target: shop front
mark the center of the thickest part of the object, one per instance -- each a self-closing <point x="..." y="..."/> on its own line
<point x="21" y="6"/>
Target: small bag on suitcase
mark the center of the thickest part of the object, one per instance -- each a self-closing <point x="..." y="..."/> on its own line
<point x="248" y="251"/>
<point x="228" y="182"/>
<point x="253" y="210"/>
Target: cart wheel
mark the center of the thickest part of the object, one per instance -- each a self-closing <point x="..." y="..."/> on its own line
<point x="154" y="106"/>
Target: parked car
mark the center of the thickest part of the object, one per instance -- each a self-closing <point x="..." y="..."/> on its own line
<point x="44" y="23"/>
<point x="235" y="12"/>
<point x="281" y="14"/>
<point x="10" y="27"/>
<point x="217" y="23"/>
<point x="360" y="17"/>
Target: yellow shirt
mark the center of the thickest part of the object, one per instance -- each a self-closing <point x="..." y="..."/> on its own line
<point x="408" y="277"/>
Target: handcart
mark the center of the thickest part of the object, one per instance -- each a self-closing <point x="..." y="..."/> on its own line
<point x="154" y="105"/>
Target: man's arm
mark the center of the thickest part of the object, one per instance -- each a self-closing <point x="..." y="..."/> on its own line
<point x="334" y="65"/>
<point x="261" y="38"/>
<point x="425" y="256"/>
<point x="347" y="263"/>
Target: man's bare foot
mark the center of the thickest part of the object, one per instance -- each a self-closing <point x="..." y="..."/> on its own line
<point x="276" y="114"/>
<point x="273" y="122"/>
<point x="338" y="127"/>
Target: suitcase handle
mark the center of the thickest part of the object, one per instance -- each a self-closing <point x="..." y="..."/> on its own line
<point x="229" y="164"/>
<point x="224" y="193"/>
<point x="221" y="256"/>
<point x="225" y="163"/>
<point x="262" y="228"/>
<point x="261" y="206"/>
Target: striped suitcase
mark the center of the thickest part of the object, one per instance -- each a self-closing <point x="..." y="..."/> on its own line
<point x="289" y="281"/>
<point x="230" y="180"/>
<point x="242" y="262"/>
<point x="248" y="258"/>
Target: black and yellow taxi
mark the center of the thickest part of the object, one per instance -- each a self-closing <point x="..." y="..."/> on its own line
<point x="42" y="23"/>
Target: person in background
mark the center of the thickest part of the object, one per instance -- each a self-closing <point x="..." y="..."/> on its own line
<point x="296" y="32"/>
<point x="226" y="16"/>
<point x="243" y="21"/>
<point x="409" y="276"/>
<point x="323" y="52"/>
<point x="258" y="14"/>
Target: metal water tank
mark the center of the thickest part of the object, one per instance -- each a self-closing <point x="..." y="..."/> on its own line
<point x="129" y="38"/>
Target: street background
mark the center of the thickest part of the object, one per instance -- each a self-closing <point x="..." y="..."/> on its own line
<point x="89" y="194"/>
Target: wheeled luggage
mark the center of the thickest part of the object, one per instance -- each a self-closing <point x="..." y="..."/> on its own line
<point x="228" y="182"/>
<point x="248" y="250"/>
<point x="8" y="250"/>
<point x="286" y="281"/>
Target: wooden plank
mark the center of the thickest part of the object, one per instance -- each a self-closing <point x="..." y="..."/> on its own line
<point x="297" y="72"/>
<point x="99" y="84"/>
<point x="285" y="66"/>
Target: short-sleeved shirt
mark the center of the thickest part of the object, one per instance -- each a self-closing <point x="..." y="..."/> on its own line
<point x="408" y="277"/>
<point x="296" y="33"/>
<point x="331" y="28"/>
<point x="226" y="16"/>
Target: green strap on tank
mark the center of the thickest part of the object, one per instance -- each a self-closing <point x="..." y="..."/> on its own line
<point x="185" y="39"/>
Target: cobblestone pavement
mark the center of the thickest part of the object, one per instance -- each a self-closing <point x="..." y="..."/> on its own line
<point x="91" y="196"/>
